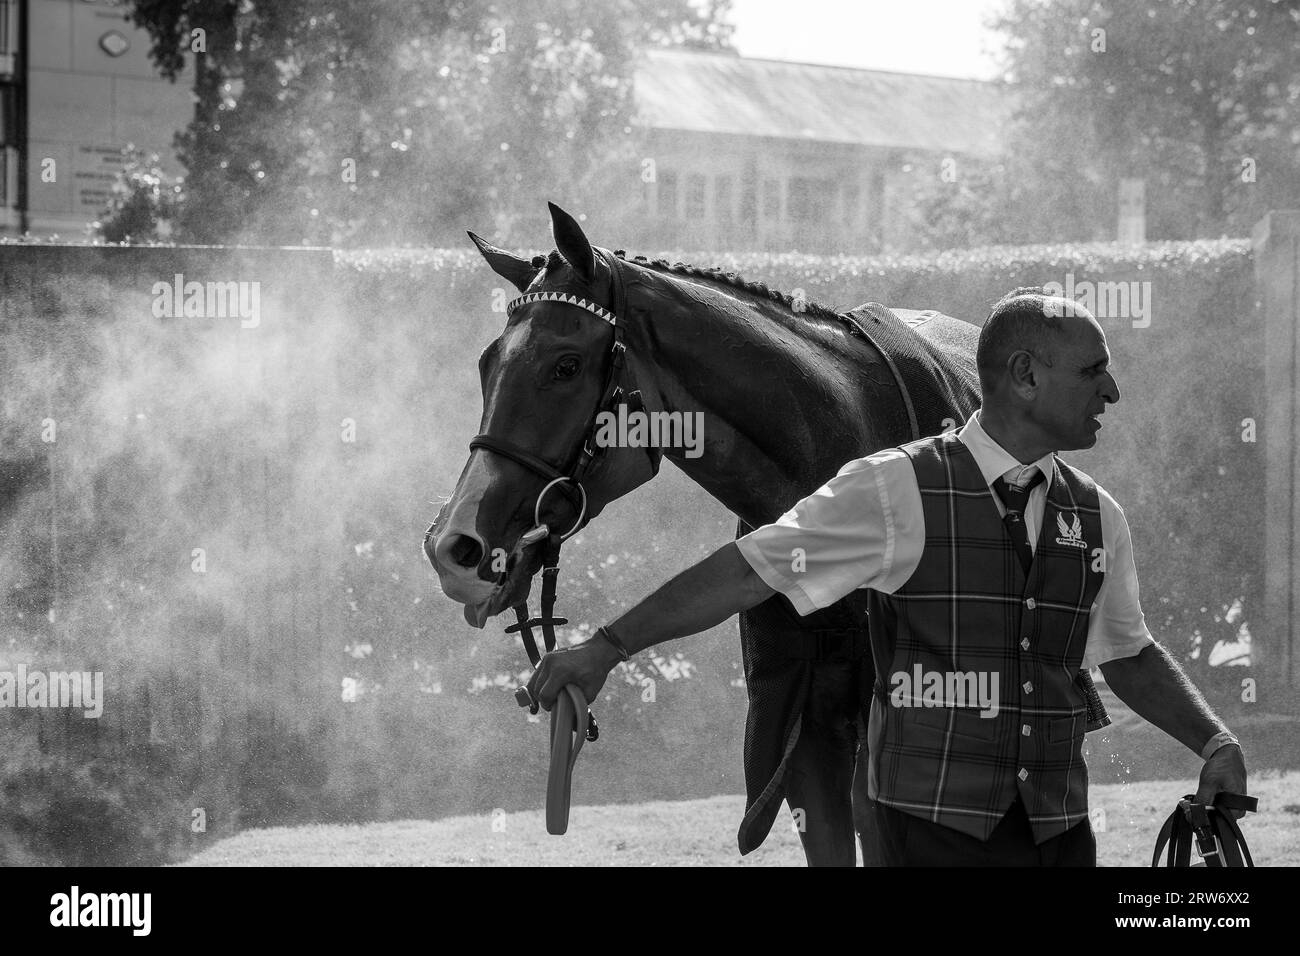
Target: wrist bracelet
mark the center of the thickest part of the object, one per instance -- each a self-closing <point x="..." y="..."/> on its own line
<point x="618" y="645"/>
<point x="1221" y="739"/>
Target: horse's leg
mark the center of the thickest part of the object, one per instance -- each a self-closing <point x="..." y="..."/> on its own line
<point x="819" y="780"/>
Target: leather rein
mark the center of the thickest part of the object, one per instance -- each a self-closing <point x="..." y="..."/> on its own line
<point x="568" y="482"/>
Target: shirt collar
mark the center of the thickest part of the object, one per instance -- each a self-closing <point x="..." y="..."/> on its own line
<point x="994" y="460"/>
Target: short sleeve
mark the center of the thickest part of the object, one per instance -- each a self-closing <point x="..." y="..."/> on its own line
<point x="1116" y="628"/>
<point x="863" y="528"/>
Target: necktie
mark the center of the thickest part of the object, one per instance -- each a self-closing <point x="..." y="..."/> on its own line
<point x="1016" y="500"/>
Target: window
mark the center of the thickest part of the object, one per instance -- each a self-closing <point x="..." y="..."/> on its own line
<point x="668" y="195"/>
<point x="771" y="199"/>
<point x="695" y="185"/>
<point x="722" y="198"/>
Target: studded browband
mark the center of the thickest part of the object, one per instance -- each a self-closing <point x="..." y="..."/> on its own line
<point x="598" y="311"/>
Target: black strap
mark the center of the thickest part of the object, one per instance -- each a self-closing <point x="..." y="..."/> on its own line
<point x="547" y="621"/>
<point x="1210" y="828"/>
<point x="619" y="304"/>
<point x="528" y="460"/>
<point x="516" y="454"/>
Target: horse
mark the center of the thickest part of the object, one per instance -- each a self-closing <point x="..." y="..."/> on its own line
<point x="791" y="391"/>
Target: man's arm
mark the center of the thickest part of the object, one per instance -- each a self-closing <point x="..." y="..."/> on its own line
<point x="1153" y="684"/>
<point x="1142" y="673"/>
<point x="864" y="527"/>
<point x="702" y="596"/>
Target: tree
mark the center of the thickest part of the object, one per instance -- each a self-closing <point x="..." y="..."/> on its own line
<point x="144" y="202"/>
<point x="967" y="210"/>
<point x="1200" y="99"/>
<point x="326" y="122"/>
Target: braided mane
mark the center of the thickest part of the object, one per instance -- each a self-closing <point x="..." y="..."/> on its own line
<point x="715" y="274"/>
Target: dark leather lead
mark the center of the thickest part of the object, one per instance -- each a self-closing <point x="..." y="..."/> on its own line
<point x="1211" y="828"/>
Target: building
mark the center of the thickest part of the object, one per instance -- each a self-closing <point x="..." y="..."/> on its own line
<point x="76" y="86"/>
<point x="744" y="153"/>
<point x="737" y="153"/>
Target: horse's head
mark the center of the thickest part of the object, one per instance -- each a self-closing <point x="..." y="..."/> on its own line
<point x="556" y="364"/>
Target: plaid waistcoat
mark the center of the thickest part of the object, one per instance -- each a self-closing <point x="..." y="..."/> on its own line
<point x="969" y="608"/>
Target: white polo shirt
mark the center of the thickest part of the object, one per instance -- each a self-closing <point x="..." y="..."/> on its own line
<point x="865" y="529"/>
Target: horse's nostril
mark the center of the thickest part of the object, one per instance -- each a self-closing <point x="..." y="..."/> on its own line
<point x="464" y="551"/>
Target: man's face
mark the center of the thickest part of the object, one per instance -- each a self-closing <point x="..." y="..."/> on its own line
<point x="1076" y="388"/>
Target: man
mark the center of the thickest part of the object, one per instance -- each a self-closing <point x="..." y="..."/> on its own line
<point x="995" y="571"/>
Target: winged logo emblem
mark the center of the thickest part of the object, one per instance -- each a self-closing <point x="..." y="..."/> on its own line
<point x="1071" y="534"/>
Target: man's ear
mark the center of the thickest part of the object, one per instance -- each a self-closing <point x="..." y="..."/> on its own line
<point x="1020" y="371"/>
<point x="1015" y="365"/>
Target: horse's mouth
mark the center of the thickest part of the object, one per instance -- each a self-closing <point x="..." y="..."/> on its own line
<point x="476" y="615"/>
<point x="512" y="588"/>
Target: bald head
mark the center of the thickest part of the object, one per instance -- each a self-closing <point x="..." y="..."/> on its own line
<point x="1045" y="375"/>
<point x="1026" y="319"/>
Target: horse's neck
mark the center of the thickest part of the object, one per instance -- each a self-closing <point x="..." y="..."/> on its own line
<point x="786" y="399"/>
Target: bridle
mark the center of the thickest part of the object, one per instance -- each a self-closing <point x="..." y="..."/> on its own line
<point x="569" y="482"/>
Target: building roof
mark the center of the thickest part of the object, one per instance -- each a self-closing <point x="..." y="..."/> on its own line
<point x="721" y="93"/>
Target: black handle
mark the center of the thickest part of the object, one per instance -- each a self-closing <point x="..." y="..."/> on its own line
<point x="1235" y="801"/>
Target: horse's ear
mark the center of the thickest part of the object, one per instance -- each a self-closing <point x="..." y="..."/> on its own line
<point x="519" y="272"/>
<point x="572" y="243"/>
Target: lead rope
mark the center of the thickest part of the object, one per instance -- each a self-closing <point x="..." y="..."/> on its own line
<point x="547" y="621"/>
<point x="1210" y="829"/>
<point x="571" y="720"/>
<point x="567" y="733"/>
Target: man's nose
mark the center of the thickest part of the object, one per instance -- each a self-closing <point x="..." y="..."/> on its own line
<point x="1111" y="390"/>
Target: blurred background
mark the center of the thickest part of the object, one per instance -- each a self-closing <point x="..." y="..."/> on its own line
<point x="226" y="520"/>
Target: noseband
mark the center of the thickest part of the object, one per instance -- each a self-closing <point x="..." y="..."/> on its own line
<point x="568" y="482"/>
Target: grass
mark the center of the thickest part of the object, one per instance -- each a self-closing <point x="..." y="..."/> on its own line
<point x="702" y="833"/>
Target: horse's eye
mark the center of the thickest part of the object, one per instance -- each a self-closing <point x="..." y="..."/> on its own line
<point x="567" y="367"/>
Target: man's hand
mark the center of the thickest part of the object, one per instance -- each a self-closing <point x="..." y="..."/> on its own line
<point x="1153" y="684"/>
<point x="587" y="665"/>
<point x="1224" y="771"/>
<point x="705" y="594"/>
